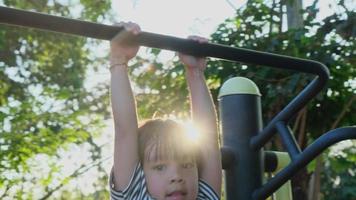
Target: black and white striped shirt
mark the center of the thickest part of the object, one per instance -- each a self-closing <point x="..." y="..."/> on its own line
<point x="137" y="190"/>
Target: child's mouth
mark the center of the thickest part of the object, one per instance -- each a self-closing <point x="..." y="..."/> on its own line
<point x="176" y="195"/>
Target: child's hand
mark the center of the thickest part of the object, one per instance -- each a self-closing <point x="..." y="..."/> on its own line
<point x="120" y="52"/>
<point x="192" y="62"/>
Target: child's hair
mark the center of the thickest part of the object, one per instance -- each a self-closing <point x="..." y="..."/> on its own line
<point x="165" y="139"/>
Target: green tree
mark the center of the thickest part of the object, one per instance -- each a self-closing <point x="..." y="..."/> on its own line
<point x="44" y="106"/>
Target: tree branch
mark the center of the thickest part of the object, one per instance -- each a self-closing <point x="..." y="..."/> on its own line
<point x="343" y="112"/>
<point x="5" y="192"/>
<point x="302" y="127"/>
<point x="271" y="20"/>
<point x="297" y="121"/>
<point x="231" y="5"/>
<point x="81" y="170"/>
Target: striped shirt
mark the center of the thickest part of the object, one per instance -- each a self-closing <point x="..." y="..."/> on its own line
<point x="137" y="190"/>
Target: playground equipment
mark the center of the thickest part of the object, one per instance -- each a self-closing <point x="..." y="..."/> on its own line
<point x="244" y="160"/>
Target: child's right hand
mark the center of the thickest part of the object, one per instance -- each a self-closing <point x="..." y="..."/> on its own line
<point x="120" y="52"/>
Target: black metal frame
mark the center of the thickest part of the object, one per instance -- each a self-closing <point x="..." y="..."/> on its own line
<point x="279" y="123"/>
<point x="302" y="159"/>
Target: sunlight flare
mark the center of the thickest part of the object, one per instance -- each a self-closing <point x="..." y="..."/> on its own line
<point x="192" y="131"/>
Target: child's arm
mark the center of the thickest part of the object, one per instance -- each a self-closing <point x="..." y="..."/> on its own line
<point x="124" y="109"/>
<point x="204" y="116"/>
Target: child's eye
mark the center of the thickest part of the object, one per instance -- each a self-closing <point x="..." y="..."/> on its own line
<point x="159" y="167"/>
<point x="188" y="165"/>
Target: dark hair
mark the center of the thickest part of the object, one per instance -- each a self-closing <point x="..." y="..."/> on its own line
<point x="164" y="139"/>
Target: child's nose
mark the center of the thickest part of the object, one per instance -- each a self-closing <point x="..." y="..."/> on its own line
<point x="177" y="180"/>
<point x="176" y="176"/>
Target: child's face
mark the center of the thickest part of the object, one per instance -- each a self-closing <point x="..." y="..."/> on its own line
<point x="171" y="179"/>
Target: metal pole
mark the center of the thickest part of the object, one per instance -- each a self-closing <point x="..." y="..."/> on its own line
<point x="240" y="114"/>
<point x="47" y="22"/>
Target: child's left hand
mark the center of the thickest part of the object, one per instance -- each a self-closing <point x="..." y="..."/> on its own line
<point x="192" y="62"/>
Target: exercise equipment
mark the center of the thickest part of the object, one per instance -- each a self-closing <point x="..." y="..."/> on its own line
<point x="246" y="162"/>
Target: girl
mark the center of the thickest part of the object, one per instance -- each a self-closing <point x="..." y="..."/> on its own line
<point x="157" y="160"/>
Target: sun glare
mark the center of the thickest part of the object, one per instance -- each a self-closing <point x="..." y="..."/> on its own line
<point x="191" y="131"/>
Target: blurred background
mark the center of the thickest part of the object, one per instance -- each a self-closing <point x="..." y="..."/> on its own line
<point x="56" y="137"/>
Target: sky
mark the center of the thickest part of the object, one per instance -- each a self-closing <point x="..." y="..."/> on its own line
<point x="179" y="18"/>
<point x="185" y="17"/>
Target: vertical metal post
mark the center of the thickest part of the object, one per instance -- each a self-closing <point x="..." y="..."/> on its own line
<point x="240" y="115"/>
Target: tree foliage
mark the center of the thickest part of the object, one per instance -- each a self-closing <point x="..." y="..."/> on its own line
<point x="44" y="106"/>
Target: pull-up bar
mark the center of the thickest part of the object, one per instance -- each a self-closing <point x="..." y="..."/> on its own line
<point x="47" y="22"/>
<point x="29" y="19"/>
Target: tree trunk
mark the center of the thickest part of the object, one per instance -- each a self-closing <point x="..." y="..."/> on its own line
<point x="294" y="15"/>
<point x="314" y="185"/>
<point x="314" y="193"/>
<point x="300" y="180"/>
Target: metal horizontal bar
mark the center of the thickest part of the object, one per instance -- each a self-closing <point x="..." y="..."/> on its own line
<point x="30" y="19"/>
<point x="312" y="151"/>
<point x="47" y="22"/>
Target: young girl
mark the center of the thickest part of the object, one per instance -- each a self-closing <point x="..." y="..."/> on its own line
<point x="158" y="160"/>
